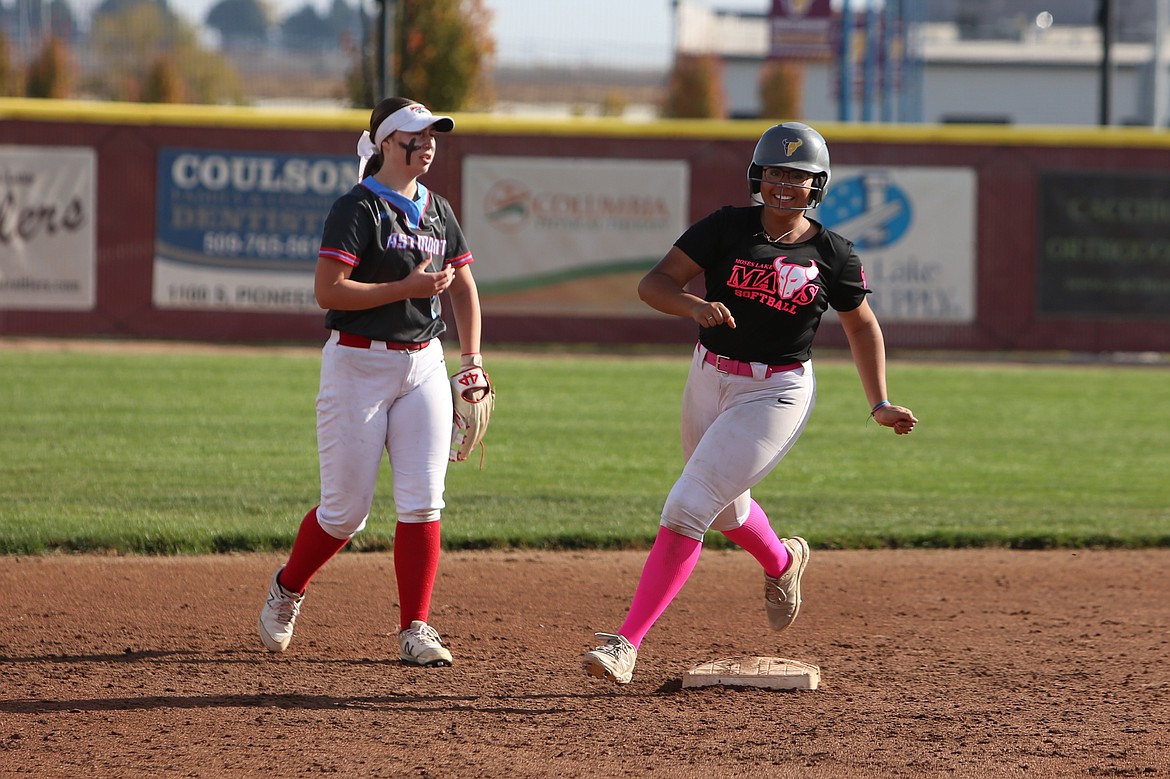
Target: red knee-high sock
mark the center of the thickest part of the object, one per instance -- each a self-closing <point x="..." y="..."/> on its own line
<point x="761" y="542"/>
<point x="416" y="561"/>
<point x="671" y="560"/>
<point x="312" y="549"/>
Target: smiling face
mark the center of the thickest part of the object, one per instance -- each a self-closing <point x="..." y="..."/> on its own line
<point x="786" y="187"/>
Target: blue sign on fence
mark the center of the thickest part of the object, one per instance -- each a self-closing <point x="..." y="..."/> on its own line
<point x="241" y="230"/>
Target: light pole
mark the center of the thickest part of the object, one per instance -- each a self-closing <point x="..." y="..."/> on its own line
<point x="1161" y="21"/>
<point x="386" y="17"/>
<point x="1106" y="21"/>
<point x="845" y="58"/>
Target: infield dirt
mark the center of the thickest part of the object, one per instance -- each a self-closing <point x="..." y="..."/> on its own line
<point x="934" y="663"/>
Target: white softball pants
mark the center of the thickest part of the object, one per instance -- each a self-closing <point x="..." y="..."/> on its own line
<point x="379" y="400"/>
<point x="735" y="430"/>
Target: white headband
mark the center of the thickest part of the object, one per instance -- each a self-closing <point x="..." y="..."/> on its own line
<point x="411" y="119"/>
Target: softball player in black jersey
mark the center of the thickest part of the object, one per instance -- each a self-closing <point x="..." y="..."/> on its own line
<point x="390" y="247"/>
<point x="770" y="273"/>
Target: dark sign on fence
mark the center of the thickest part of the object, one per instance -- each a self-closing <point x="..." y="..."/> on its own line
<point x="1104" y="244"/>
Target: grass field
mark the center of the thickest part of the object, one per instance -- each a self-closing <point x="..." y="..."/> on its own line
<point x="192" y="452"/>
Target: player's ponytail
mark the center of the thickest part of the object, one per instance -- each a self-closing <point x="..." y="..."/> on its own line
<point x="373" y="164"/>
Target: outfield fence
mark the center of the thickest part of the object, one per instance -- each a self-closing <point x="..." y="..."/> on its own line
<point x="202" y="223"/>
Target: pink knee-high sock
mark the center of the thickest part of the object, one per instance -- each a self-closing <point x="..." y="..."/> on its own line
<point x="311" y="550"/>
<point x="671" y="560"/>
<point x="761" y="542"/>
<point x="416" y="561"/>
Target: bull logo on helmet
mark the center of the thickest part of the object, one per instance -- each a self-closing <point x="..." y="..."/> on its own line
<point x="790" y="147"/>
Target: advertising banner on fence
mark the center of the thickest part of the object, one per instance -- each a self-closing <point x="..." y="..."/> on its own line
<point x="914" y="229"/>
<point x="1104" y="244"/>
<point x="240" y="230"/>
<point x="48" y="238"/>
<point x="570" y="237"/>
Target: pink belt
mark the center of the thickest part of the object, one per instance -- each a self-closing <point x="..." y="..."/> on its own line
<point x="728" y="365"/>
<point x="361" y="342"/>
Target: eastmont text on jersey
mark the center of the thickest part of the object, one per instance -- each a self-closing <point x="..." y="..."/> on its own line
<point x="424" y="243"/>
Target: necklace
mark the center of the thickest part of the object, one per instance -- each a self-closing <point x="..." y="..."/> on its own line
<point x="777" y="239"/>
<point x="768" y="236"/>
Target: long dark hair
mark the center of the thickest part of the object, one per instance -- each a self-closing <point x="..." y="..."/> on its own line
<point x="385" y="107"/>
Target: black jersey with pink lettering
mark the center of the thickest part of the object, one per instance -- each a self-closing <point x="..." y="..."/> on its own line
<point x="776" y="292"/>
<point x="384" y="236"/>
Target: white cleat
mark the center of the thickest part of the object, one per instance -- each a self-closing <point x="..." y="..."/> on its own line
<point x="419" y="644"/>
<point x="613" y="660"/>
<point x="782" y="594"/>
<point x="279" y="615"/>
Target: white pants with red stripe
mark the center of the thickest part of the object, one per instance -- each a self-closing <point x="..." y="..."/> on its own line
<point x="735" y="430"/>
<point x="381" y="400"/>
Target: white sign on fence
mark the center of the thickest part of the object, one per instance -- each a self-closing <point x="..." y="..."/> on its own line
<point x="914" y="229"/>
<point x="48" y="238"/>
<point x="570" y="237"/>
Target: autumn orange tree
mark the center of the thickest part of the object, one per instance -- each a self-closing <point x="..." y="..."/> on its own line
<point x="50" y="74"/>
<point x="11" y="84"/>
<point x="781" y="89"/>
<point x="163" y="82"/>
<point x="694" y="89"/>
<point x="443" y="54"/>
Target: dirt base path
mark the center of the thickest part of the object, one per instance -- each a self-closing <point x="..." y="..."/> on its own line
<point x="951" y="663"/>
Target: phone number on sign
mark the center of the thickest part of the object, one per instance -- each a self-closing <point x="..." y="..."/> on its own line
<point x="260" y="245"/>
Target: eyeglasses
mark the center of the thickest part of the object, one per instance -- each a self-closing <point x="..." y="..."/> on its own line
<point x="785" y="176"/>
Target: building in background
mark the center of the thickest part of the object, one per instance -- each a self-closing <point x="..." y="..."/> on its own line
<point x="969" y="60"/>
<point x="1035" y="62"/>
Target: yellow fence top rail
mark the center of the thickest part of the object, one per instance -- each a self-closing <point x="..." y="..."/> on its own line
<point x="94" y="112"/>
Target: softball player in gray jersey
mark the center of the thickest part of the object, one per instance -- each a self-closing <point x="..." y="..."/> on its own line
<point x="770" y="273"/>
<point x="390" y="247"/>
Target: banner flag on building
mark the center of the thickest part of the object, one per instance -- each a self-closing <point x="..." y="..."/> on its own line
<point x="801" y="30"/>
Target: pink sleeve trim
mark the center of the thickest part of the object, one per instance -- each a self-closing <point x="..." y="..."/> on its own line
<point x="337" y="254"/>
<point x="460" y="261"/>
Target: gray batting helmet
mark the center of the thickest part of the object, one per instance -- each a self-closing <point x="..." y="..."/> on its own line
<point x="791" y="145"/>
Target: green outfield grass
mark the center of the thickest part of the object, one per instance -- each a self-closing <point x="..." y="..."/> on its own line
<point x="192" y="453"/>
